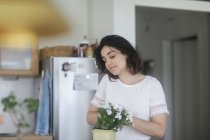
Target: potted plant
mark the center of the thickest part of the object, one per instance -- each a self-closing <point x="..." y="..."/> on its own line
<point x="110" y="119"/>
<point x="17" y="110"/>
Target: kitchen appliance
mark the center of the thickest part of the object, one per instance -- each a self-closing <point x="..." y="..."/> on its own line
<point x="75" y="81"/>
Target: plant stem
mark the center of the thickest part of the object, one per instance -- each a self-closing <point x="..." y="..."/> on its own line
<point x="14" y="119"/>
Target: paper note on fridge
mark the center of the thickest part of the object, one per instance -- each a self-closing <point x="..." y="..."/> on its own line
<point x="86" y="81"/>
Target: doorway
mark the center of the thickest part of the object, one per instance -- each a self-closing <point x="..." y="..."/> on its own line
<point x="179" y="29"/>
<point x="181" y="76"/>
<point x="186" y="93"/>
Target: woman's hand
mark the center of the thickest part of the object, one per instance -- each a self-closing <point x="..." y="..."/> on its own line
<point x="92" y="115"/>
<point x="155" y="127"/>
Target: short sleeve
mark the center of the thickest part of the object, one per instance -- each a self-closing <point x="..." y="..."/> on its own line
<point x="157" y="98"/>
<point x="99" y="97"/>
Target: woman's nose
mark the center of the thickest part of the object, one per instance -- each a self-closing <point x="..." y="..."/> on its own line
<point x="108" y="63"/>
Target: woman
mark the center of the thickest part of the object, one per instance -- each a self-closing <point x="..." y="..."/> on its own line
<point x="124" y="84"/>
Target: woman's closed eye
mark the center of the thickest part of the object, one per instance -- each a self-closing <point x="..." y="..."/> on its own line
<point x="109" y="56"/>
<point x="112" y="56"/>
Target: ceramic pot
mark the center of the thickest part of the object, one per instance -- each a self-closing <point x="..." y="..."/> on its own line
<point x="99" y="134"/>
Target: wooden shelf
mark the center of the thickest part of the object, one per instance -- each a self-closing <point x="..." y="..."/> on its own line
<point x="28" y="137"/>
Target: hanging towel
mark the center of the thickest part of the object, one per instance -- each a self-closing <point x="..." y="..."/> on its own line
<point x="43" y="114"/>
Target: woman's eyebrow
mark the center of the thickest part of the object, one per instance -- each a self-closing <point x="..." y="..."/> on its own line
<point x="111" y="52"/>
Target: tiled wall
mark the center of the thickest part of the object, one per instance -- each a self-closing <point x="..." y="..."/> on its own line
<point x="23" y="88"/>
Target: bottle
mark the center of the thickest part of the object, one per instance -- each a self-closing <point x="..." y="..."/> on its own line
<point x="94" y="45"/>
<point x="89" y="52"/>
<point x="75" y="52"/>
<point x="82" y="47"/>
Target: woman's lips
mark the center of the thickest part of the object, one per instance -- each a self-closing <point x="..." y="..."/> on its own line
<point x="112" y="68"/>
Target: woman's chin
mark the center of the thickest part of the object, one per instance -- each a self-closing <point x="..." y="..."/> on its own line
<point x="114" y="73"/>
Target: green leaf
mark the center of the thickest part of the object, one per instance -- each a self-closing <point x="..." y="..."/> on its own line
<point x="9" y="103"/>
<point x="31" y="104"/>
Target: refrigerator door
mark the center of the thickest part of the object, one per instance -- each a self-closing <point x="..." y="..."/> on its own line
<point x="75" y="81"/>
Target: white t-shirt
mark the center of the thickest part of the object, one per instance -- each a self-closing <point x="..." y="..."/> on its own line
<point x="144" y="99"/>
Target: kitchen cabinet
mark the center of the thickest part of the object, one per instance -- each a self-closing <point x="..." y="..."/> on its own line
<point x="18" y="61"/>
<point x="28" y="137"/>
<point x="18" y="54"/>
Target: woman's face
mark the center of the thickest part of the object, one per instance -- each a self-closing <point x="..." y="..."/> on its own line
<point x="114" y="60"/>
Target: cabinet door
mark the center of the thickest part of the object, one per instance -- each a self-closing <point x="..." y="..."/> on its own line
<point x="18" y="53"/>
<point x="18" y="61"/>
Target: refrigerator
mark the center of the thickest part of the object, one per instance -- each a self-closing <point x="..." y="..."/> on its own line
<point x="74" y="82"/>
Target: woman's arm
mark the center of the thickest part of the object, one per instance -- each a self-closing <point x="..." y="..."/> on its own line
<point x="155" y="127"/>
<point x="92" y="115"/>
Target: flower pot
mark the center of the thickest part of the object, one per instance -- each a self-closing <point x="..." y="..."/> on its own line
<point x="99" y="134"/>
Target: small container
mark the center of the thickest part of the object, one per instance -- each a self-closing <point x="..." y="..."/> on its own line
<point x="89" y="52"/>
<point x="81" y="52"/>
<point x="82" y="47"/>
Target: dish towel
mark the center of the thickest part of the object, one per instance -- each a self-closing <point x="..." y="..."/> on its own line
<point x="43" y="114"/>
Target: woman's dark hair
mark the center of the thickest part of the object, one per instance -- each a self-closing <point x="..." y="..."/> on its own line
<point x="134" y="61"/>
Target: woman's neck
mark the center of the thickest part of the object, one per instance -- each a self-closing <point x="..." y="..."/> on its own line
<point x="130" y="79"/>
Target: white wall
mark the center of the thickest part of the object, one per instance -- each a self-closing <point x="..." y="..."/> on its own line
<point x="23" y="88"/>
<point x="195" y="5"/>
<point x="100" y="19"/>
<point x="97" y="18"/>
<point x="124" y="19"/>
